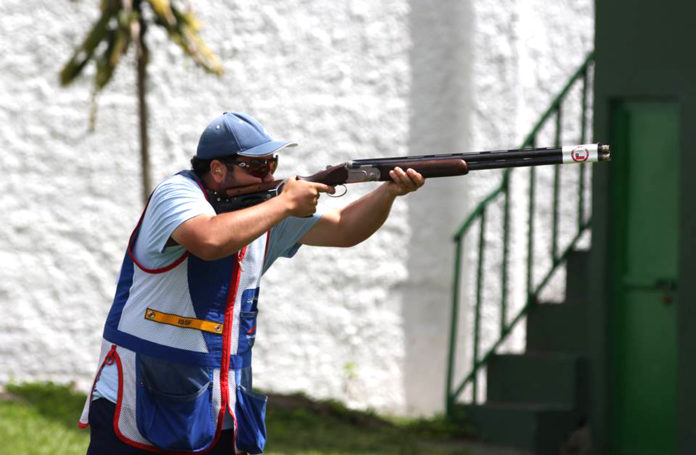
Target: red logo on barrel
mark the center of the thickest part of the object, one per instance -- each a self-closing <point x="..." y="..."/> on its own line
<point x="580" y="154"/>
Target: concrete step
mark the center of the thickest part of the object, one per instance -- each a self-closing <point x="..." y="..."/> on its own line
<point x="538" y="429"/>
<point x="536" y="400"/>
<point x="468" y="447"/>
<point x="557" y="328"/>
<point x="550" y="379"/>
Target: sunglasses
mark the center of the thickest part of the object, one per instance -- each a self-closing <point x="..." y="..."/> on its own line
<point x="258" y="167"/>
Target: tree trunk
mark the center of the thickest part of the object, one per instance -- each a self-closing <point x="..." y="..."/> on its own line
<point x="141" y="59"/>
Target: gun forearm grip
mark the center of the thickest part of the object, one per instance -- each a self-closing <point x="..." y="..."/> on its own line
<point x="429" y="168"/>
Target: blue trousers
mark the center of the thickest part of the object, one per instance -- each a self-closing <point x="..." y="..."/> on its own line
<point x="103" y="439"/>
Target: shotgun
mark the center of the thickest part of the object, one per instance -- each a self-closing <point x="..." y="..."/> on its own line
<point x="440" y="165"/>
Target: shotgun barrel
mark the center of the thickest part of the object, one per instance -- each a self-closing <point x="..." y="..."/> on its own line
<point x="500" y="159"/>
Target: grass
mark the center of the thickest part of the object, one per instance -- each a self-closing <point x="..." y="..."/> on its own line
<point x="298" y="425"/>
<point x="40" y="419"/>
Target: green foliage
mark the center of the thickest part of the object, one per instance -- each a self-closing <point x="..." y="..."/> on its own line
<point x="182" y="27"/>
<point x="125" y="22"/>
<point x="121" y="23"/>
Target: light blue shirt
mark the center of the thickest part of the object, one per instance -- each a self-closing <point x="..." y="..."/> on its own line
<point x="175" y="200"/>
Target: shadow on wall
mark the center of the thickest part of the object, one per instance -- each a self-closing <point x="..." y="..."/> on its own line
<point x="441" y="67"/>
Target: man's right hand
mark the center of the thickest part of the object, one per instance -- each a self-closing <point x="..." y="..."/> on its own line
<point x="215" y="237"/>
<point x="302" y="197"/>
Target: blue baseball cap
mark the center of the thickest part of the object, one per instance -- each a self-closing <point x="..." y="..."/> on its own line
<point x="234" y="133"/>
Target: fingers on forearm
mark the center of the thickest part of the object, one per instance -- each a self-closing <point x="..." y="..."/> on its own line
<point x="406" y="181"/>
<point x="399" y="176"/>
<point x="416" y="178"/>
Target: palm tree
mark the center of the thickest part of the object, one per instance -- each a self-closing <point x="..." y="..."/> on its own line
<point x="121" y="23"/>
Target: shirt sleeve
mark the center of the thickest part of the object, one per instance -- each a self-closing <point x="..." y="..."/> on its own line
<point x="175" y="200"/>
<point x="284" y="238"/>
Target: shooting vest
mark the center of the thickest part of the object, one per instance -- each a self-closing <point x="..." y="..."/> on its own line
<point x="181" y="337"/>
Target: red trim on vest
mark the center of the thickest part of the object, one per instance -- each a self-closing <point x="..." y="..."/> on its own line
<point x="108" y="360"/>
<point x="131" y="244"/>
<point x="137" y="227"/>
<point x="268" y="243"/>
<point x="156" y="271"/>
<point x="117" y="414"/>
<point x="227" y="343"/>
<point x="138" y="445"/>
<point x="200" y="185"/>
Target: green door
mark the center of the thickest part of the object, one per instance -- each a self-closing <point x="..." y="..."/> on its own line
<point x="643" y="384"/>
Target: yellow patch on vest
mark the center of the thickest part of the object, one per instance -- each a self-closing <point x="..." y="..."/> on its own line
<point x="182" y="321"/>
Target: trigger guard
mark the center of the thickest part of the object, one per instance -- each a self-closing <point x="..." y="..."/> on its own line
<point x="345" y="190"/>
<point x="279" y="188"/>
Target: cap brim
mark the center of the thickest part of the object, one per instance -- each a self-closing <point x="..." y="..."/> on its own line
<point x="267" y="149"/>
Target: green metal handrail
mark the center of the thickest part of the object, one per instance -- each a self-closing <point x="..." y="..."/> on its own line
<point x="478" y="217"/>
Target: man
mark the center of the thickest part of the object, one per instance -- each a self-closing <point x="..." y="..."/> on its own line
<point x="175" y="364"/>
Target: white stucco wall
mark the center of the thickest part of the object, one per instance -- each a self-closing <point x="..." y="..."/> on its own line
<point x="346" y="80"/>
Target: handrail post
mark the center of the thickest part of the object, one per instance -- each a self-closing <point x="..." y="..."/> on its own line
<point x="530" y="232"/>
<point x="583" y="128"/>
<point x="479" y="294"/>
<point x="556" y="187"/>
<point x="453" y="326"/>
<point x="506" y="241"/>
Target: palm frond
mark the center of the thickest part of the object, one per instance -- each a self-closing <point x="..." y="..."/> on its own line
<point x="182" y="28"/>
<point x="121" y="45"/>
<point x="85" y="51"/>
<point x="163" y="12"/>
<point x="117" y="44"/>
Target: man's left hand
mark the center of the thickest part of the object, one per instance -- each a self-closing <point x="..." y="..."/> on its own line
<point x="404" y="182"/>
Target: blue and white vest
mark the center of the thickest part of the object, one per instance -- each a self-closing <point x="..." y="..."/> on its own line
<point x="181" y="337"/>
